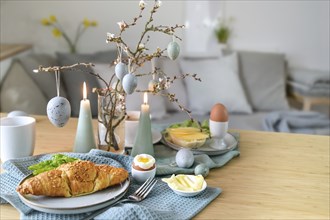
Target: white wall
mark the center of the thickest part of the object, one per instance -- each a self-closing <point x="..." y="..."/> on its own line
<point x="20" y="22"/>
<point x="300" y="29"/>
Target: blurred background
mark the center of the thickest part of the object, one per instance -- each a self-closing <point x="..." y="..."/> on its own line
<point x="289" y="39"/>
<point x="300" y="29"/>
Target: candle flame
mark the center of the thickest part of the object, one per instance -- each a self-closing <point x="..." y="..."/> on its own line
<point x="145" y="98"/>
<point x="84" y="91"/>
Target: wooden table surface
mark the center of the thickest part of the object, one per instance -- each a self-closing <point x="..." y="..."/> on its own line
<point x="277" y="176"/>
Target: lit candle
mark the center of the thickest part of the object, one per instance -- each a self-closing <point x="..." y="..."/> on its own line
<point x="143" y="140"/>
<point x="145" y="106"/>
<point x="85" y="135"/>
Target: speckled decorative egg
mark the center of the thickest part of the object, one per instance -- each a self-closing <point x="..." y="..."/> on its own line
<point x="129" y="83"/>
<point x="121" y="70"/>
<point x="202" y="169"/>
<point x="184" y="158"/>
<point x="173" y="50"/>
<point x="58" y="111"/>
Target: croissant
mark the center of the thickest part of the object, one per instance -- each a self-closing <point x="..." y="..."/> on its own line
<point x="73" y="179"/>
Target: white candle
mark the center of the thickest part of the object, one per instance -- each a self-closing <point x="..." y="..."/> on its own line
<point x="85" y="135"/>
<point x="85" y="106"/>
<point x="145" y="106"/>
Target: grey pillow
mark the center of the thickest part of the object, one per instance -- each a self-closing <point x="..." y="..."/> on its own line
<point x="172" y="68"/>
<point x="220" y="83"/>
<point x="264" y="80"/>
<point x="22" y="89"/>
<point x="73" y="80"/>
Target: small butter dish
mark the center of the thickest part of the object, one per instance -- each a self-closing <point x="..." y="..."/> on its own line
<point x="186" y="185"/>
<point x="189" y="194"/>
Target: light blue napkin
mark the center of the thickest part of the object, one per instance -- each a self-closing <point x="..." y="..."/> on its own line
<point x="166" y="159"/>
<point x="162" y="202"/>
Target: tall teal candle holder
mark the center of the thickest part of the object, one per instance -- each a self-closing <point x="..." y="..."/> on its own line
<point x="143" y="140"/>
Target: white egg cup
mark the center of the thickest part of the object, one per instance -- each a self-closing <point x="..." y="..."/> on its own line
<point x="218" y="132"/>
<point x="142" y="175"/>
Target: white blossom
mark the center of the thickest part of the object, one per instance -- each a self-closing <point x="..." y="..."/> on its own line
<point x="158" y="3"/>
<point x="142" y="4"/>
<point x="109" y="37"/>
<point x="141" y="46"/>
<point x="122" y="25"/>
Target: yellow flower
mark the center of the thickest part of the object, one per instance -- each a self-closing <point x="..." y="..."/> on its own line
<point x="45" y="22"/>
<point x="52" y="18"/>
<point x="86" y="23"/>
<point x="94" y="23"/>
<point x="56" y="32"/>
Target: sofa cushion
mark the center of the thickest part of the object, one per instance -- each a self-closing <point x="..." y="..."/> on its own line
<point x="220" y="83"/>
<point x="264" y="78"/>
<point x="134" y="101"/>
<point x="252" y="121"/>
<point x="20" y="92"/>
<point x="73" y="80"/>
<point x="172" y="68"/>
<point x="24" y="90"/>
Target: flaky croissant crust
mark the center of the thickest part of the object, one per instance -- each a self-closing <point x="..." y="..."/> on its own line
<point x="73" y="179"/>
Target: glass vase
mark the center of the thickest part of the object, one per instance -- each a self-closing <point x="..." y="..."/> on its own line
<point x="111" y="121"/>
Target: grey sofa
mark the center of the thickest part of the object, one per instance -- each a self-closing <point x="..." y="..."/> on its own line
<point x="250" y="84"/>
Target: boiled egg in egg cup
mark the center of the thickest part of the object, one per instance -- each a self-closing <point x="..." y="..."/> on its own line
<point x="218" y="125"/>
<point x="143" y="167"/>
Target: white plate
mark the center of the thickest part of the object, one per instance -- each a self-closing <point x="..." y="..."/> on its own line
<point x="156" y="136"/>
<point x="75" y="205"/>
<point x="208" y="148"/>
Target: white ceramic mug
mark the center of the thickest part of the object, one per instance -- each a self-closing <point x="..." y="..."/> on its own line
<point x="131" y="126"/>
<point x="17" y="137"/>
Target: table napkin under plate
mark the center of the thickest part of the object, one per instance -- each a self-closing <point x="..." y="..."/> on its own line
<point x="161" y="203"/>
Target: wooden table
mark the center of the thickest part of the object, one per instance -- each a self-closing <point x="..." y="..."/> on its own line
<point x="277" y="176"/>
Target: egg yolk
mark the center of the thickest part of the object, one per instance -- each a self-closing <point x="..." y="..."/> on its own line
<point x="143" y="159"/>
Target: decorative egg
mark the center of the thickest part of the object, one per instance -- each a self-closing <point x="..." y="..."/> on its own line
<point x="58" y="111"/>
<point x="17" y="113"/>
<point x="152" y="83"/>
<point x="121" y="70"/>
<point x="129" y="83"/>
<point x="219" y="113"/>
<point x="202" y="169"/>
<point x="184" y="158"/>
<point x="173" y="50"/>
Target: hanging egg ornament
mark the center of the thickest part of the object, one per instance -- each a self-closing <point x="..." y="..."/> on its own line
<point x="58" y="111"/>
<point x="129" y="83"/>
<point x="173" y="50"/>
<point x="121" y="70"/>
<point x="152" y="84"/>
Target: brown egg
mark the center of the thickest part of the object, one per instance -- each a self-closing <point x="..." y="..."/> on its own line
<point x="219" y="113"/>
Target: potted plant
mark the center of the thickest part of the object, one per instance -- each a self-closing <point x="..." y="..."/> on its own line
<point x="223" y="32"/>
